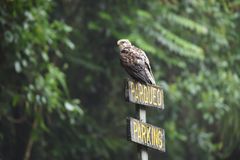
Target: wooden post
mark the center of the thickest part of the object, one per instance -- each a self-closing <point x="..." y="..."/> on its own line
<point x="141" y="114"/>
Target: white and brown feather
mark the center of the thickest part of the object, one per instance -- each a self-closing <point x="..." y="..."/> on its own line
<point x="136" y="63"/>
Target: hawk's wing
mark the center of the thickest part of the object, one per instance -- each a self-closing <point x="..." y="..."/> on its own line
<point x="147" y="63"/>
<point x="136" y="63"/>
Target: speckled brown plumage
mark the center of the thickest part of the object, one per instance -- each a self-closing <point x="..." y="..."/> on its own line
<point x="135" y="62"/>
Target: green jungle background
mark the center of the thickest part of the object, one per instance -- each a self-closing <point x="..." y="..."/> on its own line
<point x="61" y="83"/>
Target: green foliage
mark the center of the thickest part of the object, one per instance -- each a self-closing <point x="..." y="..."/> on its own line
<point x="189" y="46"/>
<point x="33" y="87"/>
<point x="193" y="47"/>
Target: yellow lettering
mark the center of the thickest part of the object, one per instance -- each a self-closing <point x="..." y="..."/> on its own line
<point x="150" y="95"/>
<point x="132" y="88"/>
<point x="145" y="94"/>
<point x="136" y="93"/>
<point x="153" y="137"/>
<point x="159" y="97"/>
<point x="139" y="132"/>
<point x="160" y="139"/>
<point x="148" y="135"/>
<point x="157" y="138"/>
<point x="135" y="129"/>
<point x="154" y="96"/>
<point x="143" y="133"/>
<point x="140" y="89"/>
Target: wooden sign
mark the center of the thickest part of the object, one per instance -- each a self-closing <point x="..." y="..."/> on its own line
<point x="148" y="95"/>
<point x="146" y="134"/>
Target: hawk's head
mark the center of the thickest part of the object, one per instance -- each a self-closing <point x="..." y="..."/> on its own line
<point x="122" y="43"/>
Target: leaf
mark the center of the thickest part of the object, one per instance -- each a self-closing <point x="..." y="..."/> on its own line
<point x="73" y="108"/>
<point x="186" y="22"/>
<point x="177" y="44"/>
<point x="105" y="16"/>
<point x="70" y="44"/>
<point x="18" y="67"/>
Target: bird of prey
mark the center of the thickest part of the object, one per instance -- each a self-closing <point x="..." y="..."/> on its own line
<point x="135" y="62"/>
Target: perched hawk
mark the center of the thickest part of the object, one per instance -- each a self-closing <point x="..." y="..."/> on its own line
<point x="135" y="62"/>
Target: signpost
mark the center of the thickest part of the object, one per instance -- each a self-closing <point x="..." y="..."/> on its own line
<point x="148" y="95"/>
<point x="146" y="134"/>
<point x="138" y="131"/>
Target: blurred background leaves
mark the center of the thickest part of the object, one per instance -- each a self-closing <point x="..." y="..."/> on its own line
<point x="62" y="85"/>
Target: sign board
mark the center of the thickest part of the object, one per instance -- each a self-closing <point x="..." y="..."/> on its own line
<point x="148" y="95"/>
<point x="145" y="134"/>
